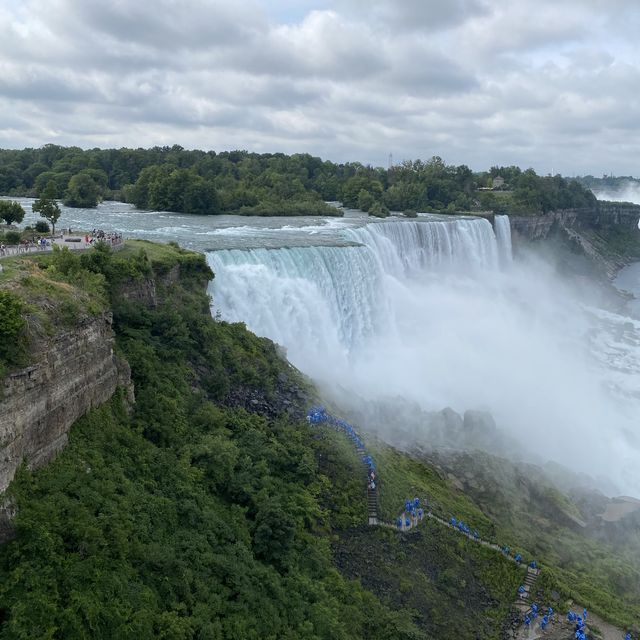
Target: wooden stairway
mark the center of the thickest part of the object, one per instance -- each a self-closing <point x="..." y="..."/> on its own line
<point x="525" y="599"/>
<point x="372" y="506"/>
<point x="372" y="496"/>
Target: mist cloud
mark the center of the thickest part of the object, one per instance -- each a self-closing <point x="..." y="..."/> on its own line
<point x="628" y="191"/>
<point x="558" y="374"/>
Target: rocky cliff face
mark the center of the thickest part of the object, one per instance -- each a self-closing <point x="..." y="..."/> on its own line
<point x="607" y="234"/>
<point x="605" y="217"/>
<point x="540" y="227"/>
<point x="71" y="372"/>
<point x="75" y="370"/>
<point x="620" y="215"/>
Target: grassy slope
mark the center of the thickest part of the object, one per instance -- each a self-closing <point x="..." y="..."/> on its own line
<point x="448" y="585"/>
<point x="532" y="521"/>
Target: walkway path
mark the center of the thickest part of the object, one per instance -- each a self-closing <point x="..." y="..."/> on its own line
<point x="524" y="600"/>
<point x="318" y="415"/>
<point x="73" y="242"/>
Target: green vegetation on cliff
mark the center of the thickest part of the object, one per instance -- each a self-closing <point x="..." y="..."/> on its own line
<point x="184" y="518"/>
<point x="210" y="509"/>
<point x="520" y="508"/>
<point x="187" y="515"/>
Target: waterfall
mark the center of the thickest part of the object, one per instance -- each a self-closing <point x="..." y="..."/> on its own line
<point x="419" y="312"/>
<point x="503" y="236"/>
<point x="409" y="248"/>
<point x="321" y="300"/>
<point x="317" y="300"/>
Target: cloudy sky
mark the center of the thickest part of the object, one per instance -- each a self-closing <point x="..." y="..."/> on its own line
<point x="553" y="84"/>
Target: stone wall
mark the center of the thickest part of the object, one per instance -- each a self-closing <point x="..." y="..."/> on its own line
<point x="71" y="373"/>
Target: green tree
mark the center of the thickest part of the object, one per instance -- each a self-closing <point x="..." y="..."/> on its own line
<point x="274" y="532"/>
<point x="11" y="211"/>
<point x="60" y="180"/>
<point x="47" y="206"/>
<point x="201" y="197"/>
<point x="11" y="328"/>
<point x="365" y="200"/>
<point x="379" y="210"/>
<point x="82" y="192"/>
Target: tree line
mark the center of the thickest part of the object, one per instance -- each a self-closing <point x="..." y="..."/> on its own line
<point x="241" y="182"/>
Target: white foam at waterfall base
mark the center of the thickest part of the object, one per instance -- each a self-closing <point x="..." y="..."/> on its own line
<point x="422" y="311"/>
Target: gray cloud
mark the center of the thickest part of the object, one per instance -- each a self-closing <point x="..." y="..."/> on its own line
<point x="416" y="15"/>
<point x="476" y="81"/>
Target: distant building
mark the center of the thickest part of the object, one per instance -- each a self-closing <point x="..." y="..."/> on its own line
<point x="498" y="182"/>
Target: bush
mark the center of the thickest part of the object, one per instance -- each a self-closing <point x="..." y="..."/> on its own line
<point x="12" y="237"/>
<point x="11" y="328"/>
<point x="378" y="210"/>
<point x="42" y="227"/>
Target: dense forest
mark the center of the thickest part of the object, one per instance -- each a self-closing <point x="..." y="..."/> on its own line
<point x="206" y="182"/>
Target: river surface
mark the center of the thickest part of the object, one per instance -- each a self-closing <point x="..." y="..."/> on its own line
<point x="430" y="312"/>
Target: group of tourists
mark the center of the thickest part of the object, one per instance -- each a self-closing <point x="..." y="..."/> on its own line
<point x="41" y="243"/>
<point x="371" y="471"/>
<point x="98" y="235"/>
<point x="319" y="415"/>
<point x="531" y="617"/>
<point x="25" y="246"/>
<point x="413" y="514"/>
<point x="463" y="528"/>
<point x="580" y="622"/>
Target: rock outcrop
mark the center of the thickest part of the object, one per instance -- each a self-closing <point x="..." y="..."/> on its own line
<point x="592" y="232"/>
<point x="71" y="372"/>
<point x="606" y="216"/>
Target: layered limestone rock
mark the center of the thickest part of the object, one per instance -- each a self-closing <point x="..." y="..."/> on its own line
<point x="71" y="373"/>
<point x="529" y="227"/>
<point x="605" y="217"/>
<point x="593" y="232"/>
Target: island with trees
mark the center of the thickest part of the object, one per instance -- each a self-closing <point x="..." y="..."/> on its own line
<point x="267" y="184"/>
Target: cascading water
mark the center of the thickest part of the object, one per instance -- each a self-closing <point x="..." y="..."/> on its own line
<point x="426" y="310"/>
<point x="503" y="235"/>
<point x="319" y="302"/>
<point x="330" y="300"/>
<point x="408" y="249"/>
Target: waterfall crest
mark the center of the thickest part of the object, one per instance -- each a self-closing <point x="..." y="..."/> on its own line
<point x="409" y="248"/>
<point x="326" y="297"/>
<point x="318" y="299"/>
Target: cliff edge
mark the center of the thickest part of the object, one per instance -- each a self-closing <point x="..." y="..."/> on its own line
<point x="64" y="365"/>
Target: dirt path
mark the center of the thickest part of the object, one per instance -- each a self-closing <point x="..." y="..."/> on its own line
<point x="73" y="242"/>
